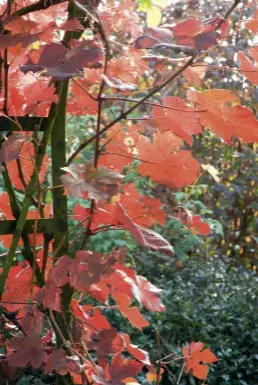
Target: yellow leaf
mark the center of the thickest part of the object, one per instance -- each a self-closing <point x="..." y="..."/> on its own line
<point x="212" y="171"/>
<point x="161" y="3"/>
<point x="151" y="377"/>
<point x="153" y="17"/>
<point x="130" y="381"/>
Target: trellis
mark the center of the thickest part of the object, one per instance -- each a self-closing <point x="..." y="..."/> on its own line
<point x="57" y="225"/>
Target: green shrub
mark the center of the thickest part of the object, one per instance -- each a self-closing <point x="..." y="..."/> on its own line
<point x="207" y="303"/>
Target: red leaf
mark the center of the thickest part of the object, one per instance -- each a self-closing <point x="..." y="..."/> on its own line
<point x="81" y="103"/>
<point x="132" y="313"/>
<point x="201" y="35"/>
<point x="26" y="157"/>
<point x="147" y="294"/>
<point x="88" y="268"/>
<point x="72" y="25"/>
<point x="194" y="354"/>
<point x="144" y="237"/>
<point x="93" y="318"/>
<point x="59" y="272"/>
<point x="202" y="227"/>
<point x="39" y="96"/>
<point x="138" y="354"/>
<point x="18" y="286"/>
<point x="61" y="63"/>
<point x="27" y="351"/>
<point x="182" y="123"/>
<point x="119" y="369"/>
<point x="32" y="322"/>
<point x="223" y="120"/>
<point x="120" y="147"/>
<point x="24" y="39"/>
<point x="49" y="295"/>
<point x="59" y="362"/>
<point x="11" y="148"/>
<point x="153" y="36"/>
<point x="248" y="69"/>
<point x="106" y="342"/>
<point x="253" y="24"/>
<point x="164" y="162"/>
<point x="18" y="25"/>
<point x="196" y="74"/>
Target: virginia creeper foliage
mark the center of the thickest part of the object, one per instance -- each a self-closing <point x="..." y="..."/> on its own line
<point x="113" y="62"/>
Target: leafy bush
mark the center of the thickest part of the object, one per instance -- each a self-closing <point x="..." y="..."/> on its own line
<point x="206" y="302"/>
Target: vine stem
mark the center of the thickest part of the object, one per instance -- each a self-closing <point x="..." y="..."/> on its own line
<point x="228" y="13"/>
<point x="97" y="136"/>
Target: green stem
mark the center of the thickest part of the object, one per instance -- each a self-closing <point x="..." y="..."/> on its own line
<point x="27" y="250"/>
<point x="31" y="188"/>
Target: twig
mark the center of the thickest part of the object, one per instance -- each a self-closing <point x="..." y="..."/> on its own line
<point x="180" y="374"/>
<point x="84" y="89"/>
<point x="170" y="373"/>
<point x="41" y="4"/>
<point x="231" y="9"/>
<point x="150" y="104"/>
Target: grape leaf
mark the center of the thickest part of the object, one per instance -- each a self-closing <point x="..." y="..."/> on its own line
<point x="119" y="369"/>
<point x="223" y="120"/>
<point x="164" y="162"/>
<point x="194" y="354"/>
<point x="147" y="294"/>
<point x="29" y="350"/>
<point x="60" y="63"/>
<point x="182" y="123"/>
<point x="144" y="237"/>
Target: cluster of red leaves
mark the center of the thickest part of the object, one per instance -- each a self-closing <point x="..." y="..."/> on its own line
<point x="105" y="278"/>
<point x="158" y="148"/>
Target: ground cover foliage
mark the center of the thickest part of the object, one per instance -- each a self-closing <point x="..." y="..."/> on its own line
<point x="145" y="153"/>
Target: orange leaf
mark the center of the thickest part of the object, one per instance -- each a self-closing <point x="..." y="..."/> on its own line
<point x="164" y="162"/>
<point x="182" y="123"/>
<point x="223" y="120"/>
<point x="119" y="145"/>
<point x="132" y="313"/>
<point x="194" y="354"/>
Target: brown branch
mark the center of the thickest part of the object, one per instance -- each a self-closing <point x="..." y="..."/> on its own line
<point x="40" y="5"/>
<point x="228" y="13"/>
<point x="130" y="100"/>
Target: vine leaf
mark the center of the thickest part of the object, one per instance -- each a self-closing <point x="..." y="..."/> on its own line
<point x="182" y="123"/>
<point x="100" y="183"/>
<point x="28" y="350"/>
<point x="223" y="120"/>
<point x="59" y="362"/>
<point x="136" y="352"/>
<point x="60" y="63"/>
<point x="164" y="162"/>
<point x="10" y="149"/>
<point x="148" y="294"/>
<point x="117" y="372"/>
<point x="131" y="313"/>
<point x="144" y="237"/>
<point x="248" y="69"/>
<point x="198" y="34"/>
<point x="194" y="355"/>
